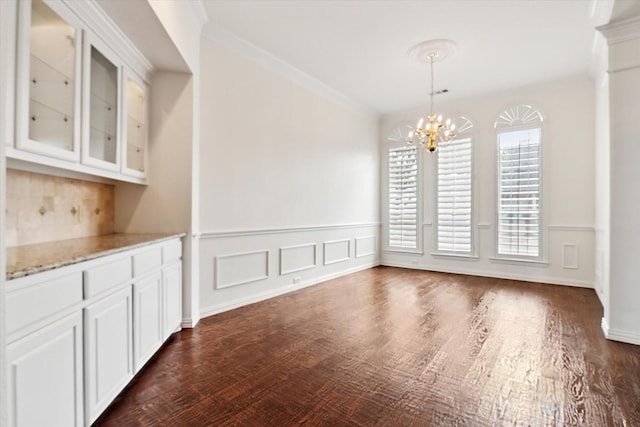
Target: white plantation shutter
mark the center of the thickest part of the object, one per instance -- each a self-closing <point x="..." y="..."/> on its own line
<point x="454" y="196"/>
<point x="403" y="197"/>
<point x="519" y="193"/>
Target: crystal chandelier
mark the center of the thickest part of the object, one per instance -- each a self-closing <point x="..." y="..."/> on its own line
<point x="434" y="129"/>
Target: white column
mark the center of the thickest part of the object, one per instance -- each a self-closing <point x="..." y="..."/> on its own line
<point x="622" y="316"/>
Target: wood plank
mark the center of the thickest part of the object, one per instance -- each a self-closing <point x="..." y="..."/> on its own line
<point x="390" y="346"/>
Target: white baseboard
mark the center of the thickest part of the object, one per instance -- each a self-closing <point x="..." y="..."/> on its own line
<point x="619" y="335"/>
<point x="189" y="323"/>
<point x="251" y="299"/>
<point x="525" y="278"/>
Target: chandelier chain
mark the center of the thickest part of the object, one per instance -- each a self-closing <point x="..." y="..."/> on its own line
<point x="431" y="93"/>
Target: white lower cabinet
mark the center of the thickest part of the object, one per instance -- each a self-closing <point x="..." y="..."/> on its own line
<point x="108" y="350"/>
<point x="77" y="335"/>
<point x="172" y="298"/>
<point x="45" y="376"/>
<point x="147" y="321"/>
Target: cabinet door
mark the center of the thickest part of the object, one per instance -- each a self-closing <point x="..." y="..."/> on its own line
<point x="108" y="350"/>
<point x="172" y="298"/>
<point x="45" y="376"/>
<point x="134" y="128"/>
<point x="147" y="319"/>
<point x="101" y="106"/>
<point x="48" y="80"/>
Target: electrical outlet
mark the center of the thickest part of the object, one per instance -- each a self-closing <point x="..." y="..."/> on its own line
<point x="296" y="280"/>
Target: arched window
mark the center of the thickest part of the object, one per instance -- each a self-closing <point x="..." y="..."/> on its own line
<point x="455" y="213"/>
<point x="403" y="192"/>
<point x="519" y="133"/>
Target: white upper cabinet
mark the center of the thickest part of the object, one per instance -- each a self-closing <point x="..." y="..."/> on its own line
<point x="81" y="92"/>
<point x="134" y="114"/>
<point x="48" y="93"/>
<point x="101" y="100"/>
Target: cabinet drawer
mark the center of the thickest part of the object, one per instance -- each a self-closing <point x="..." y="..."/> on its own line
<point x="101" y="278"/>
<point x="37" y="302"/>
<point x="171" y="251"/>
<point x="147" y="261"/>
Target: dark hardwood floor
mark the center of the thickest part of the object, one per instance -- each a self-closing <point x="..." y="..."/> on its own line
<point x="394" y="347"/>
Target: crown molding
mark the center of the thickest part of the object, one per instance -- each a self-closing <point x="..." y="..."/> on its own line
<point x="199" y="12"/>
<point x="621" y="31"/>
<point x="600" y="11"/>
<point x="246" y="49"/>
<point x="103" y="27"/>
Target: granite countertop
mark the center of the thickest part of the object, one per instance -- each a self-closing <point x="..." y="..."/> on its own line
<point x="31" y="259"/>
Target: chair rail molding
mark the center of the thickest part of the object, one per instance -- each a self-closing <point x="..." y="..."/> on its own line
<point x="257" y="231"/>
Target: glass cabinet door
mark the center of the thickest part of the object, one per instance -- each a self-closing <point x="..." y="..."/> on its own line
<point x="48" y="102"/>
<point x="135" y="138"/>
<point x="101" y="124"/>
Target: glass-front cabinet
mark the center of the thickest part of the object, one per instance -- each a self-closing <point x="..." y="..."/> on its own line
<point x="80" y="105"/>
<point x="101" y="130"/>
<point x="48" y="100"/>
<point x="134" y="135"/>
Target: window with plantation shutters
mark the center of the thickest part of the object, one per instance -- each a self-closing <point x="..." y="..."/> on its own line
<point x="519" y="227"/>
<point x="519" y="193"/>
<point x="454" y="212"/>
<point x="403" y="198"/>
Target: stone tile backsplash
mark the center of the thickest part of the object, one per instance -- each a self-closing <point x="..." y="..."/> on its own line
<point x="43" y="208"/>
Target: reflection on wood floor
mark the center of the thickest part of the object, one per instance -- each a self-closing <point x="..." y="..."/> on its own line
<point x="394" y="347"/>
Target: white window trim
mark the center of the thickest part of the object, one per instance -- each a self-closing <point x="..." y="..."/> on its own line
<point x="473" y="253"/>
<point x="542" y="251"/>
<point x="419" y="190"/>
<point x="454" y="255"/>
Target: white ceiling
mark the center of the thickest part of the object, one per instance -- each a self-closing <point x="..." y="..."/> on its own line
<point x="360" y="47"/>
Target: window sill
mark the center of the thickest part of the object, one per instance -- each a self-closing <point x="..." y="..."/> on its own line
<point x="534" y="262"/>
<point x="455" y="256"/>
<point x="401" y="251"/>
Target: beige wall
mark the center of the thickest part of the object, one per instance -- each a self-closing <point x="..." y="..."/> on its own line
<point x="275" y="154"/>
<point x="291" y="171"/>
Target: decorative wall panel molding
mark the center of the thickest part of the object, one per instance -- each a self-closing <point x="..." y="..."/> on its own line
<point x="254" y="232"/>
<point x="337" y="251"/>
<point x="570" y="256"/>
<point x="298" y="258"/>
<point x="226" y="305"/>
<point x="365" y="246"/>
<point x="240" y="268"/>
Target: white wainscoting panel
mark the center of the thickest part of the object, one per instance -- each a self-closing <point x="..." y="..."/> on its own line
<point x="240" y="268"/>
<point x="337" y="251"/>
<point x="570" y="256"/>
<point x="298" y="258"/>
<point x="365" y="246"/>
<point x="255" y="264"/>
